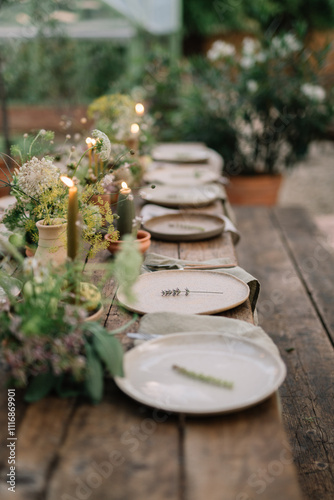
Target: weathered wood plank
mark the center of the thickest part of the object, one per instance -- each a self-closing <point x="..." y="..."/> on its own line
<point x="118" y="450"/>
<point x="313" y="257"/>
<point x="38" y="439"/>
<point x="288" y="315"/>
<point x="220" y="246"/>
<point x="236" y="457"/>
<point x="20" y="409"/>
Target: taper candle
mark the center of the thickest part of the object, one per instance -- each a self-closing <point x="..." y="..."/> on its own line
<point x="89" y="144"/>
<point x="125" y="210"/>
<point x="139" y="107"/>
<point x="72" y="218"/>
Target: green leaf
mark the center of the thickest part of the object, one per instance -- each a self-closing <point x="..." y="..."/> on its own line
<point x="39" y="387"/>
<point x="94" y="375"/>
<point x="67" y="387"/>
<point x="110" y="351"/>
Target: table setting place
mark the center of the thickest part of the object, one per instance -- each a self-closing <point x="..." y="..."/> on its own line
<point x="200" y="365"/>
<point x="206" y="348"/>
<point x="186" y="358"/>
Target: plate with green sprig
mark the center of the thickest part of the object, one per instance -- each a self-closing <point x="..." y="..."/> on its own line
<point x="202" y="373"/>
<point x="185" y="291"/>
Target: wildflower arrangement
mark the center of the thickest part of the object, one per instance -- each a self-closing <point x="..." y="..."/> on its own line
<point x="40" y="194"/>
<point x="45" y="343"/>
<point x="271" y="92"/>
<point x="123" y="120"/>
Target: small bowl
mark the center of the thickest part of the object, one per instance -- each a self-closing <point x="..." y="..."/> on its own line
<point x="97" y="315"/>
<point x="143" y="240"/>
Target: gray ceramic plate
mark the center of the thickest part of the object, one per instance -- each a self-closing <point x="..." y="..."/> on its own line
<point x="185" y="227"/>
<point x="255" y="372"/>
<point x="180" y="175"/>
<point x="209" y="292"/>
<point x="181" y="196"/>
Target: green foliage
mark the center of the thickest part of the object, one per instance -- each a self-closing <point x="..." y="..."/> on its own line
<point x="206" y="18"/>
<point x="46" y="344"/>
<point x="39" y="387"/>
<point x="109" y="350"/>
<point x="259" y="108"/>
<point x="59" y="69"/>
<point x="94" y="375"/>
<point x="127" y="266"/>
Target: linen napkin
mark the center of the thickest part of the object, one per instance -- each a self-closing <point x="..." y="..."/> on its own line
<point x="151" y="210"/>
<point x="157" y="262"/>
<point x="164" y="323"/>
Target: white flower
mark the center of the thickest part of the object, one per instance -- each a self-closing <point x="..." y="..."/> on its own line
<point x="261" y="56"/>
<point x="220" y="49"/>
<point x="247" y="62"/>
<point x="252" y="86"/>
<point x="285" y="45"/>
<point x="250" y="46"/>
<point x="290" y="40"/>
<point x="313" y="92"/>
<point x="107" y="181"/>
<point x="36" y="176"/>
<point x="33" y="268"/>
<point x="103" y="144"/>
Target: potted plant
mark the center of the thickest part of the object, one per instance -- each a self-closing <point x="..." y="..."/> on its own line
<point x="265" y="104"/>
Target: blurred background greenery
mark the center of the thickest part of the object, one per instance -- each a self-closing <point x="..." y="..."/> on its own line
<point x="70" y="52"/>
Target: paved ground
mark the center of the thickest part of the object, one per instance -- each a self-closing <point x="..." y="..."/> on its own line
<point x="311" y="184"/>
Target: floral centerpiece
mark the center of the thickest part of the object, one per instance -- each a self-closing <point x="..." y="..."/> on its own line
<point x="41" y="195"/>
<point x="128" y="127"/>
<point x="45" y="343"/>
<point x="122" y="118"/>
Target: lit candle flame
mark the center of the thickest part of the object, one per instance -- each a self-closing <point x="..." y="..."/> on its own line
<point x="139" y="107"/>
<point x="93" y="141"/>
<point x="134" y="128"/>
<point x="67" y="181"/>
<point x="124" y="185"/>
<point x="88" y="140"/>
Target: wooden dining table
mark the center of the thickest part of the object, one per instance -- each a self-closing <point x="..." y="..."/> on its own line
<point x="121" y="449"/>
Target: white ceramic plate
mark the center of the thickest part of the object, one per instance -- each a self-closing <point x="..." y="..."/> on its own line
<point x="181" y="176"/>
<point x="150" y="378"/>
<point x="209" y="292"/>
<point x="184" y="227"/>
<point x="180" y="154"/>
<point x="181" y="196"/>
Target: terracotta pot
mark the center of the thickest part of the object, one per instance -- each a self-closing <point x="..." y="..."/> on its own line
<point x="52" y="242"/>
<point x="254" y="190"/>
<point x="143" y="240"/>
<point x="30" y="251"/>
<point x="4" y="173"/>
